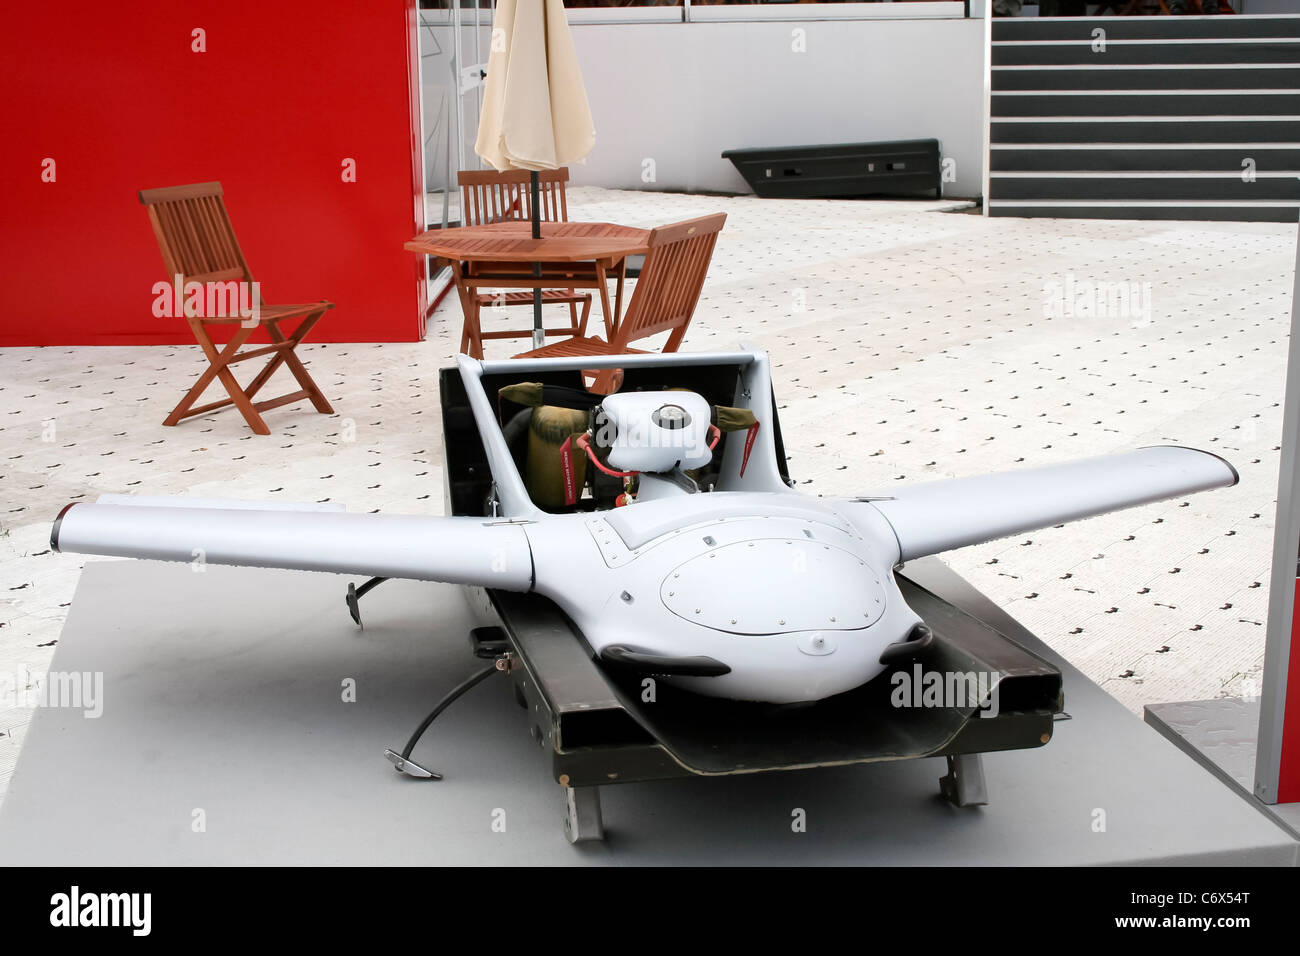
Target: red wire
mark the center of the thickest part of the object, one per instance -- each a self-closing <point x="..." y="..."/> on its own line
<point x="585" y="445"/>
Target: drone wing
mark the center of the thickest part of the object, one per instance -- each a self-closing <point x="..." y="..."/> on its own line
<point x="943" y="515"/>
<point x="475" y="551"/>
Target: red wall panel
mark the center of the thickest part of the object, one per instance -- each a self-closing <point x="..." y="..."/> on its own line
<point x="1288" y="773"/>
<point x="284" y="93"/>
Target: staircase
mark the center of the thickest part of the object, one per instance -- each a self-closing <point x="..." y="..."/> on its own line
<point x="1146" y="118"/>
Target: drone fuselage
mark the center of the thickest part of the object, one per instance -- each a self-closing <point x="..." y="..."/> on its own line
<point x="794" y="595"/>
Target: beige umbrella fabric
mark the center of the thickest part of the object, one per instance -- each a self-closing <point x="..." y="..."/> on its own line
<point x="535" y="111"/>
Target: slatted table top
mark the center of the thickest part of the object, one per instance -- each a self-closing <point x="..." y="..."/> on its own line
<point x="512" y="242"/>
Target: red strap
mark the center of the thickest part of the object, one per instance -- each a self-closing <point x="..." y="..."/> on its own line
<point x="749" y="446"/>
<point x="567" y="469"/>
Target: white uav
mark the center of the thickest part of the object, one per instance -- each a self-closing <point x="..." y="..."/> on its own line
<point x="748" y="591"/>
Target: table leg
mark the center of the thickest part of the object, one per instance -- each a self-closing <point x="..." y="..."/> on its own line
<point x="602" y="286"/>
<point x="471" y="340"/>
<point x="618" y="293"/>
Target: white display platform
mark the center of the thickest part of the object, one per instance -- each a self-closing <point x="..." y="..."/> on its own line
<point x="1222" y="736"/>
<point x="223" y="695"/>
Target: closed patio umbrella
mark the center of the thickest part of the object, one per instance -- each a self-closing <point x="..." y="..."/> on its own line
<point x="535" y="112"/>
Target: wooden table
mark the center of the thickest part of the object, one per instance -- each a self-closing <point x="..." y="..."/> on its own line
<point x="502" y="255"/>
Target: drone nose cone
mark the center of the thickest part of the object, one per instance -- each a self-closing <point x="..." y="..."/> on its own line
<point x="777" y="586"/>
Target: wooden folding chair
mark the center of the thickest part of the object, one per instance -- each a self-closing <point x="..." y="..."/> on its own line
<point x="198" y="243"/>
<point x="676" y="262"/>
<point x="487" y="196"/>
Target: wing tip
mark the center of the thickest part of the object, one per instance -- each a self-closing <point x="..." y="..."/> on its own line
<point x="1236" y="475"/>
<point x="58" y="521"/>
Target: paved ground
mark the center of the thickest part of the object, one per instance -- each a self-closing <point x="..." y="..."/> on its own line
<point x="908" y="344"/>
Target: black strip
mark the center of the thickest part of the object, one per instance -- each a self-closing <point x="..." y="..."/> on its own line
<point x="563" y="396"/>
<point x="659" y="664"/>
<point x="1145" y="160"/>
<point x="1109" y="187"/>
<point x="190" y="901"/>
<point x="58" y="521"/>
<point x="1282" y="78"/>
<point x="1191" y="131"/>
<point x="1180" y="54"/>
<point x="778" y="444"/>
<point x="1149" y="104"/>
<point x="1144" y="28"/>
<point x="1189" y="212"/>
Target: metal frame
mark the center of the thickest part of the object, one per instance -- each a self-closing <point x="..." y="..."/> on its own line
<point x="1278" y="648"/>
<point x="510" y="489"/>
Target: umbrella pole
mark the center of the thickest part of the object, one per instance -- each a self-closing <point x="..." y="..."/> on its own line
<point x="539" y="336"/>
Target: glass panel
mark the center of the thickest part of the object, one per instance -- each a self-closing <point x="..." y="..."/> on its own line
<point x="455" y="39"/>
<point x="441" y="118"/>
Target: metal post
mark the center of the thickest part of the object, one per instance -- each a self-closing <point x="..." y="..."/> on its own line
<point x="988" y="107"/>
<point x="539" y="336"/>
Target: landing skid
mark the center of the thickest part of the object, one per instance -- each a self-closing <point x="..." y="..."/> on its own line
<point x="582" y="821"/>
<point x="599" y="728"/>
<point x="963" y="785"/>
